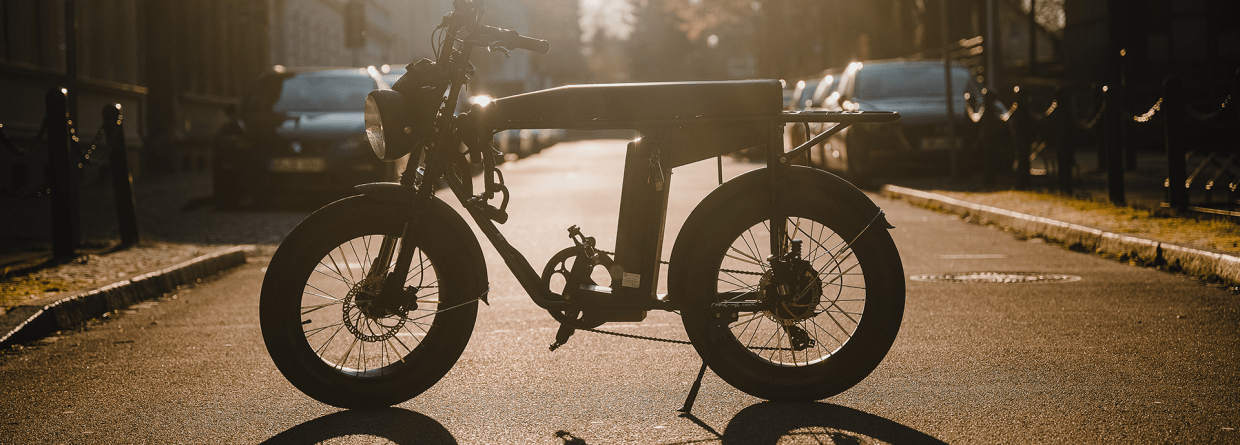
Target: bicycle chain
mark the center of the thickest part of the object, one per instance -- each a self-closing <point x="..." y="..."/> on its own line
<point x="679" y="342"/>
<point x="637" y="337"/>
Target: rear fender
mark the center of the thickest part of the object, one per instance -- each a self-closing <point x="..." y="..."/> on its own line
<point x="794" y="178"/>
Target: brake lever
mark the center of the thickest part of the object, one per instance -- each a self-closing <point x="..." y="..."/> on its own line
<point x="496" y="47"/>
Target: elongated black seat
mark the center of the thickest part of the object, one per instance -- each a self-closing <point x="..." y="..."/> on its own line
<point x="617" y="104"/>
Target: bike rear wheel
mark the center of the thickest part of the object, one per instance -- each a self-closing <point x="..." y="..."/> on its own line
<point x="326" y="333"/>
<point x="831" y="325"/>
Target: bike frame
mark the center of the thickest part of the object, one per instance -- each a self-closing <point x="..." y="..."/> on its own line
<point x="665" y="143"/>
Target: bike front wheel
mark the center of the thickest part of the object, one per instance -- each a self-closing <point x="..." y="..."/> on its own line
<point x="833" y="311"/>
<point x="322" y="325"/>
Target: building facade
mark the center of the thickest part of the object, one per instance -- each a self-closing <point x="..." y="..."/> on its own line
<point x="176" y="66"/>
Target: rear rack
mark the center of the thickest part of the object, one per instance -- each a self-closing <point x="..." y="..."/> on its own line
<point x="843" y="117"/>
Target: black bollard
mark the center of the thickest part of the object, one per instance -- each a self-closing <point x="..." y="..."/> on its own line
<point x="988" y="127"/>
<point x="1023" y="142"/>
<point x="1065" y="147"/>
<point x="1099" y="133"/>
<point x="1173" y="123"/>
<point x="1113" y="135"/>
<point x="122" y="181"/>
<point x="62" y="172"/>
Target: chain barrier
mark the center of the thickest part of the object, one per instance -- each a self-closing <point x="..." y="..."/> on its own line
<point x="975" y="116"/>
<point x="1089" y="125"/>
<point x="1204" y="116"/>
<point x="1148" y="115"/>
<point x="100" y="142"/>
<point x="93" y="154"/>
<point x="40" y="138"/>
<point x="1011" y="111"/>
<point x="1044" y="115"/>
<point x="1100" y="107"/>
<point x="1041" y="128"/>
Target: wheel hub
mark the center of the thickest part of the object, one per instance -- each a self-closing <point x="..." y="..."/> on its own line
<point x="793" y="285"/>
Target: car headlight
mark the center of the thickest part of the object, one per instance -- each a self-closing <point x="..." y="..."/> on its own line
<point x="387" y="124"/>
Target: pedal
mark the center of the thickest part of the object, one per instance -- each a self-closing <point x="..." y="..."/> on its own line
<point x="585" y="242"/>
<point x="561" y="336"/>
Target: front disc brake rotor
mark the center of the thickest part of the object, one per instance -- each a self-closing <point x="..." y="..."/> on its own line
<point x="365" y="321"/>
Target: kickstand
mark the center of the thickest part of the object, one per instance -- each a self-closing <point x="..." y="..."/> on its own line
<point x="693" y="392"/>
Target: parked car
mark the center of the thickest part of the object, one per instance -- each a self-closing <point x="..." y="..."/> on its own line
<point x="920" y="140"/>
<point x="810" y="97"/>
<point x="300" y="130"/>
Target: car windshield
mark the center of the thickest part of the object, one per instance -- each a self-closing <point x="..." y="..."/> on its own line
<point x="907" y="80"/>
<point x="324" y="91"/>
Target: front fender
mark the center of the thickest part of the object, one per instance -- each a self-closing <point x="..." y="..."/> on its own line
<point x="391" y="192"/>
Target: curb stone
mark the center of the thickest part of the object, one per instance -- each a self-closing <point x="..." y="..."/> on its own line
<point x="1196" y="262"/>
<point x="25" y="323"/>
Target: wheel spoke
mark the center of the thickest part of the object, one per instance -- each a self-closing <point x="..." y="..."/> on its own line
<point x="769" y="334"/>
<point x="337" y="278"/>
<point x="321" y="293"/>
<point x="312" y="332"/>
<point x="309" y="309"/>
<point x="377" y="344"/>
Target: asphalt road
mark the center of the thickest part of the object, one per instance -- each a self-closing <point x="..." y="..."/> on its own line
<point x="1125" y="354"/>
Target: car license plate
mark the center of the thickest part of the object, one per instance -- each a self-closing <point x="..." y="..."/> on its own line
<point x="937" y="143"/>
<point x="298" y="165"/>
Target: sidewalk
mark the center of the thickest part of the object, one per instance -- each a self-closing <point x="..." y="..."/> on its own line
<point x="182" y="242"/>
<point x="65" y="296"/>
<point x="1141" y="233"/>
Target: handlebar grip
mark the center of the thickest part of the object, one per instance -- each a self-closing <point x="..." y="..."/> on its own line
<point x="511" y="39"/>
<point x="529" y="43"/>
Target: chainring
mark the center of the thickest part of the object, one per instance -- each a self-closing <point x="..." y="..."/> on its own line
<point x="559" y="265"/>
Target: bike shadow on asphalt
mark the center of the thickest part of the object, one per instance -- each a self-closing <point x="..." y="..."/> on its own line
<point x="393" y="424"/>
<point x="776" y="422"/>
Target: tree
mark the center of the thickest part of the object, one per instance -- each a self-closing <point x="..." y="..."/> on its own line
<point x="657" y="49"/>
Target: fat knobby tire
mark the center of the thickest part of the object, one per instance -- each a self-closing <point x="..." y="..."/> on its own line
<point x="292" y="265"/>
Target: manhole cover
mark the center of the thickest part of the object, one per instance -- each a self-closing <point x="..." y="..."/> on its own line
<point x="996" y="277"/>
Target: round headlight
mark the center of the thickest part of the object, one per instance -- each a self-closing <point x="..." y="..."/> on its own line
<point x="374" y="127"/>
<point x="389" y="126"/>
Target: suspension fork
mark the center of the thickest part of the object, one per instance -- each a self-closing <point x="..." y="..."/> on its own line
<point x="437" y="161"/>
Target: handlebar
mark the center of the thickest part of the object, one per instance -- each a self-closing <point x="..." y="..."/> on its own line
<point x="467" y="14"/>
<point x="511" y="39"/>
